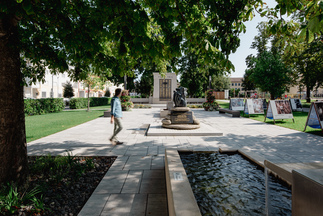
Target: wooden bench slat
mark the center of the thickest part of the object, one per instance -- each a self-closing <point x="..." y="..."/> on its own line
<point x="235" y="113"/>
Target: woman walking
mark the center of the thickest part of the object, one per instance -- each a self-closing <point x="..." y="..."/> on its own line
<point x="116" y="116"/>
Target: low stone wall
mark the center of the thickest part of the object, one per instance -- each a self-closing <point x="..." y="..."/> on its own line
<point x="195" y="100"/>
<point x="140" y="100"/>
<point x="181" y="200"/>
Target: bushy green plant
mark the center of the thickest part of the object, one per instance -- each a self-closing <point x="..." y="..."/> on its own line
<point x="195" y="106"/>
<point x="210" y="95"/>
<point x="79" y="103"/>
<point x="210" y="103"/>
<point x="140" y="106"/>
<point x="58" y="167"/>
<point x="42" y="106"/>
<point x="126" y="103"/>
<point x="11" y="199"/>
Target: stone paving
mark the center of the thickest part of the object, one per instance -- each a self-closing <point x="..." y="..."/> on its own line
<point x="135" y="184"/>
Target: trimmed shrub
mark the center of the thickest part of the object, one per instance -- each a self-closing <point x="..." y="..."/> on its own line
<point x="79" y="103"/>
<point x="44" y="105"/>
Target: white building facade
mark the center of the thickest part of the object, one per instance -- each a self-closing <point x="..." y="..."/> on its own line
<point x="53" y="87"/>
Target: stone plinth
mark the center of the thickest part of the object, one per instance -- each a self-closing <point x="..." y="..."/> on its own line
<point x="181" y="118"/>
<point x="182" y="126"/>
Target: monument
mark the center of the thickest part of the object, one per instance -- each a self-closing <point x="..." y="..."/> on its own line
<point x="163" y="87"/>
<point x="181" y="117"/>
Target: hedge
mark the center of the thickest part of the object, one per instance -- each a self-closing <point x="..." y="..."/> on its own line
<point x="44" y="105"/>
<point x="78" y="103"/>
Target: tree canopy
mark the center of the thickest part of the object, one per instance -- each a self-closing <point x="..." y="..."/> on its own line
<point x="270" y="74"/>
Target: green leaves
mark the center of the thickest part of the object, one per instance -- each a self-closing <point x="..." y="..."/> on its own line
<point x="314" y="25"/>
<point x="27" y="6"/>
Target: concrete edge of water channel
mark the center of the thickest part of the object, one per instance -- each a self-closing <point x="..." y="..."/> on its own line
<point x="181" y="200"/>
<point x="306" y="180"/>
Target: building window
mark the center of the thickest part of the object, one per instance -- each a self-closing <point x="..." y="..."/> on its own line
<point x="43" y="94"/>
<point x="235" y="84"/>
<point x="238" y="84"/>
<point x="232" y="84"/>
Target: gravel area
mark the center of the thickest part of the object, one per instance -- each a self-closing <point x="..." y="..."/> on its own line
<point x="68" y="195"/>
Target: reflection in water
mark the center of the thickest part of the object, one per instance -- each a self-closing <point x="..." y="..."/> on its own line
<point x="230" y="185"/>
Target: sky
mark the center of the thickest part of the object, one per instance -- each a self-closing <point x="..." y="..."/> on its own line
<point x="238" y="58"/>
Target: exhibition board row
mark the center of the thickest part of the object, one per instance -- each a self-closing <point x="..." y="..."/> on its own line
<point x="279" y="109"/>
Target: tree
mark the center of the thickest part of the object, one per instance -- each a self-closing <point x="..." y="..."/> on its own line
<point x="68" y="91"/>
<point x="195" y="75"/>
<point x="59" y="33"/>
<point x="282" y="22"/>
<point x="93" y="82"/>
<point x="192" y="75"/>
<point x="247" y="83"/>
<point x="309" y="65"/>
<point x="145" y="85"/>
<point x="234" y="92"/>
<point x="220" y="82"/>
<point x="271" y="74"/>
<point x="107" y="93"/>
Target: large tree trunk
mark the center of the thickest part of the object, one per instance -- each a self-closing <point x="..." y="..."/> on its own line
<point x="13" y="148"/>
<point x="272" y="96"/>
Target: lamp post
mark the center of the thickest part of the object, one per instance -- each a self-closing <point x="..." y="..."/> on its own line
<point x="210" y="82"/>
<point x="125" y="82"/>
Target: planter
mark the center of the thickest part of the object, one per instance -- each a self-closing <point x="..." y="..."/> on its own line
<point x="206" y="108"/>
<point x="125" y="108"/>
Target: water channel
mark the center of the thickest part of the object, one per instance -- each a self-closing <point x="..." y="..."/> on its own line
<point x="225" y="184"/>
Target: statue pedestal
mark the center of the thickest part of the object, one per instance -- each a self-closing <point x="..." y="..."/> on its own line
<point x="181" y="118"/>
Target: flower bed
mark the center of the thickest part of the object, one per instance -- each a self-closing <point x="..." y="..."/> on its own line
<point x="126" y="103"/>
<point x="210" y="103"/>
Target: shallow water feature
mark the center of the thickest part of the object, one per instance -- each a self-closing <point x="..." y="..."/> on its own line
<point x="226" y="184"/>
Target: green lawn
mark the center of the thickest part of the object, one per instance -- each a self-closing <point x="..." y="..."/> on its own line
<point x="223" y="104"/>
<point x="39" y="126"/>
<point x="300" y="120"/>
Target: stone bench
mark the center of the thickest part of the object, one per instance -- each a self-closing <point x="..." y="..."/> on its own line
<point x="234" y="113"/>
<point x="107" y="113"/>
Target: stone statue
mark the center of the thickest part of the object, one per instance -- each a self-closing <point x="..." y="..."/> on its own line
<point x="179" y="97"/>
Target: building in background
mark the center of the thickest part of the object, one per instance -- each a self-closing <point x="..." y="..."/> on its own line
<point x="236" y="83"/>
<point x="53" y="87"/>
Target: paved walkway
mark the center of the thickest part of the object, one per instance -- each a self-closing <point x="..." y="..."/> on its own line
<point x="135" y="184"/>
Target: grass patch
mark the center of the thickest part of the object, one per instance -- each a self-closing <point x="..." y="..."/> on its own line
<point x="224" y="104"/>
<point x="39" y="126"/>
<point x="300" y="120"/>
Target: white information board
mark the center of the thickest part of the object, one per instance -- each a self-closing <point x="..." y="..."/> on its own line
<point x="315" y="116"/>
<point x="279" y="109"/>
<point x="254" y="106"/>
<point x="237" y="104"/>
<point x="296" y="104"/>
